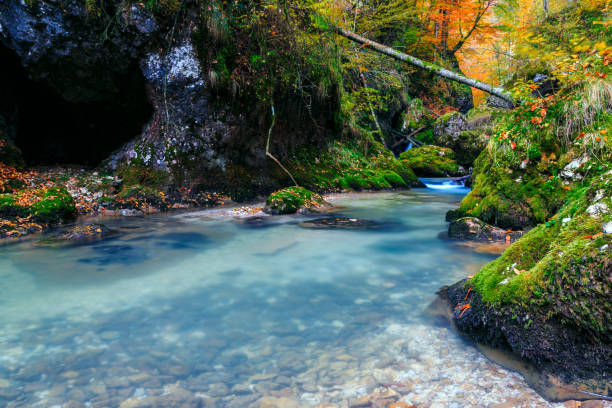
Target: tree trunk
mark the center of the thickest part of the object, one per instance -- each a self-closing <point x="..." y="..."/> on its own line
<point x="445" y="73"/>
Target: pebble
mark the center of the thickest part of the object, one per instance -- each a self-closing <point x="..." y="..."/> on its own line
<point x="282" y="402"/>
<point x="218" y="390"/>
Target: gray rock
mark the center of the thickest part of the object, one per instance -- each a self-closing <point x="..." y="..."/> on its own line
<point x="597" y="210"/>
<point x="472" y="228"/>
<point x="497" y="102"/>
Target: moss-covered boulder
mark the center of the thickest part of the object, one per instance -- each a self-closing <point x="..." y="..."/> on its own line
<point x="548" y="297"/>
<point x="431" y="161"/>
<point x="42" y="205"/>
<point x="512" y="195"/>
<point x="294" y="199"/>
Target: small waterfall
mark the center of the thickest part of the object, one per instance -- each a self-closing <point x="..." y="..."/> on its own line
<point x="443" y="183"/>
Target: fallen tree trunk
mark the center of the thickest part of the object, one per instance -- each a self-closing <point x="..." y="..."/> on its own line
<point x="444" y="73"/>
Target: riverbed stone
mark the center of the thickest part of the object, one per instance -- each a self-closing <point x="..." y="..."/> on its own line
<point x="282" y="402"/>
<point x="218" y="390"/>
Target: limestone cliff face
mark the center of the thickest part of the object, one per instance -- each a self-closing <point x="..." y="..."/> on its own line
<point x="65" y="46"/>
<point x="114" y="55"/>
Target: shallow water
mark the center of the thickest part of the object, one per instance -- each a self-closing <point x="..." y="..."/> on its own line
<point x="201" y="309"/>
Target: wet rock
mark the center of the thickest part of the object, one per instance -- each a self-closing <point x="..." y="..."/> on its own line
<point x="126" y="212"/>
<point x="361" y="402"/>
<point x="282" y="402"/>
<point x="139" y="378"/>
<point x="73" y="404"/>
<point x="57" y="390"/>
<point x="242" y="401"/>
<point x="218" y="390"/>
<point x="98" y="388"/>
<point x="8" y="393"/>
<point x="369" y="383"/>
<point x="474" y="229"/>
<point x="340" y="223"/>
<point x="232" y="360"/>
<point x="241" y="389"/>
<point x="550" y="350"/>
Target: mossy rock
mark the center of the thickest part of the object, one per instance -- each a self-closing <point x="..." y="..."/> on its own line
<point x="551" y="287"/>
<point x="44" y="205"/>
<point x="431" y="161"/>
<point x="141" y="175"/>
<point x="508" y="196"/>
<point x="451" y="130"/>
<point x="293" y="199"/>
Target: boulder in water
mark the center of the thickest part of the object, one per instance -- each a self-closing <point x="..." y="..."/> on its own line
<point x="339" y="223"/>
<point x="474" y="229"/>
<point x="79" y="234"/>
<point x="295" y="199"/>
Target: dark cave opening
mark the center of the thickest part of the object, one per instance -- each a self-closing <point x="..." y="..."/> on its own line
<point x="50" y="130"/>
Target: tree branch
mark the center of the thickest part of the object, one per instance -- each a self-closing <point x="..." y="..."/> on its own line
<point x="268" y="147"/>
<point x="435" y="69"/>
<point x="458" y="46"/>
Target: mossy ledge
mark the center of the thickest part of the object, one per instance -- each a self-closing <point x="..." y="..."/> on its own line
<point x="42" y="205"/>
<point x="431" y="161"/>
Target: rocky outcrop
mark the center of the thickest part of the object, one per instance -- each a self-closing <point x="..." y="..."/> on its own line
<point x="62" y="45"/>
<point x="452" y="130"/>
<point x="201" y="135"/>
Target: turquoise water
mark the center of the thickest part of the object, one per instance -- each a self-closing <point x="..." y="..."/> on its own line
<point x="204" y="309"/>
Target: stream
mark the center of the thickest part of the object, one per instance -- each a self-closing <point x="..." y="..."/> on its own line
<point x="214" y="310"/>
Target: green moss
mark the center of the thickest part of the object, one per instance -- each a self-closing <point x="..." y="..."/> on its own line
<point x="139" y="174"/>
<point x="289" y="200"/>
<point x="48" y="206"/>
<point x="562" y="264"/>
<point x="509" y="195"/>
<point x="340" y="166"/>
<point x="430" y="160"/>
